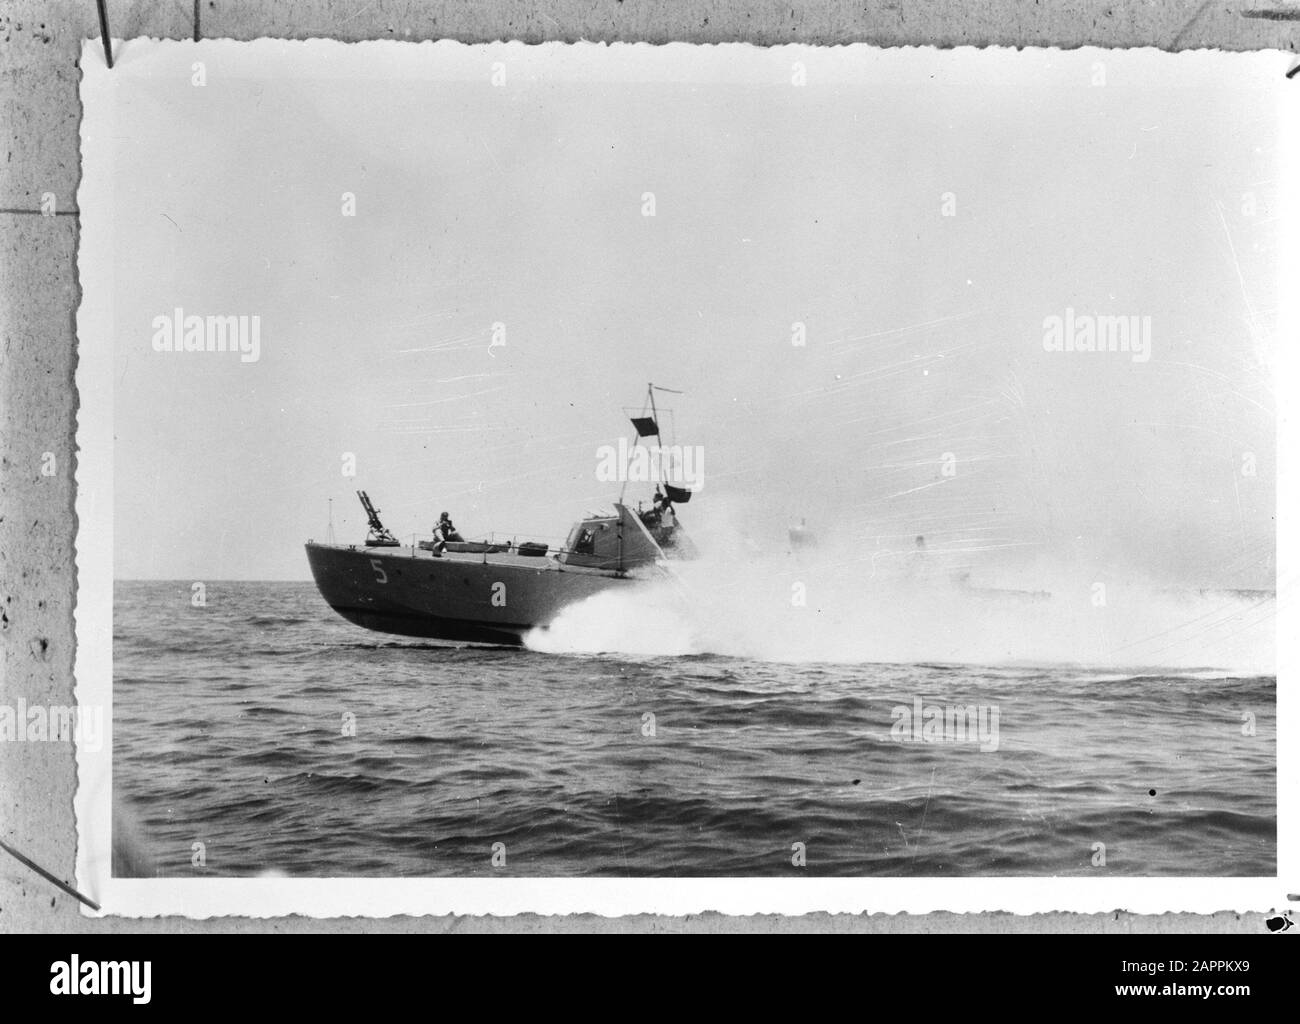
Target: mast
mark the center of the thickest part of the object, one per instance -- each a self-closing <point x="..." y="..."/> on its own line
<point x="654" y="413"/>
<point x="673" y="493"/>
<point x="648" y="426"/>
<point x="640" y="426"/>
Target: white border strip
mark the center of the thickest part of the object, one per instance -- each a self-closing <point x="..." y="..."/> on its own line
<point x="273" y="897"/>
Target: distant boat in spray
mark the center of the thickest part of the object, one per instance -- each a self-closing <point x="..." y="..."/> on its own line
<point x="447" y="588"/>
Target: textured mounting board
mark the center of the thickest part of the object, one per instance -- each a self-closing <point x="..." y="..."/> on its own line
<point x="39" y="290"/>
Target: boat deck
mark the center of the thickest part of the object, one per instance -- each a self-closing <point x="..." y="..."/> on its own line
<point x="537" y="563"/>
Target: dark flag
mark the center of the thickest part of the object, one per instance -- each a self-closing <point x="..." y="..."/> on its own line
<point x="645" y="426"/>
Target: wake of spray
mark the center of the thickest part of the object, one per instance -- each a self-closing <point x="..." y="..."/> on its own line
<point x="781" y="610"/>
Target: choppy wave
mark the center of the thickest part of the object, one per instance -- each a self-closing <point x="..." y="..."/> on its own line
<point x="308" y="747"/>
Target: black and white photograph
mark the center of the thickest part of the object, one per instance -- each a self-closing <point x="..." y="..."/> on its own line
<point x="618" y="478"/>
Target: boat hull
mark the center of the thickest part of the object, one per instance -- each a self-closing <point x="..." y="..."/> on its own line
<point x="491" y="598"/>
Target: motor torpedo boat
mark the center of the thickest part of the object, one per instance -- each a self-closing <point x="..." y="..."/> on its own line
<point x="485" y="592"/>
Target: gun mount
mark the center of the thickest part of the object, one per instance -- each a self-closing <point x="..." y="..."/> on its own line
<point x="379" y="536"/>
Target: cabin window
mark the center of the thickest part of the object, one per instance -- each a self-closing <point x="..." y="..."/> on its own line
<point x="586" y="542"/>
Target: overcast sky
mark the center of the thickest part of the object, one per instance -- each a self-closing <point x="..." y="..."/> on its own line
<point x="1132" y="183"/>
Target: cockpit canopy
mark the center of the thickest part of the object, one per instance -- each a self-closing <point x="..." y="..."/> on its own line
<point x="620" y="541"/>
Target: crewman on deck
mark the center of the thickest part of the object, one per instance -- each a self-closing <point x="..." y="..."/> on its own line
<point x="665" y="508"/>
<point x="447" y="529"/>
